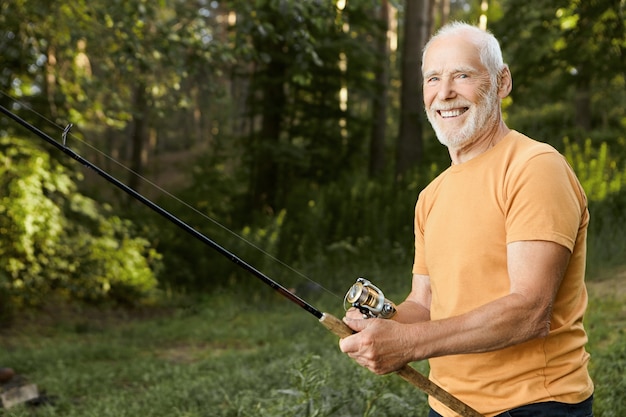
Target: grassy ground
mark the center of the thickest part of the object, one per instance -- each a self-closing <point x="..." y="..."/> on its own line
<point x="232" y="358"/>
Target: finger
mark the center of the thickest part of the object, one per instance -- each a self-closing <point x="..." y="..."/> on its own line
<point x="356" y="324"/>
<point x="353" y="313"/>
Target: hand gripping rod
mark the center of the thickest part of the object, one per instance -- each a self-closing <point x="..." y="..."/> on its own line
<point x="332" y="323"/>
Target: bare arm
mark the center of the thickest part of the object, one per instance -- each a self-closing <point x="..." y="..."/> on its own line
<point x="535" y="270"/>
<point x="416" y="307"/>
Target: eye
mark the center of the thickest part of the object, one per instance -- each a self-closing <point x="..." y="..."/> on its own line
<point x="463" y="75"/>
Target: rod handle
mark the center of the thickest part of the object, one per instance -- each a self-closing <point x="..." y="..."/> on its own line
<point x="409" y="374"/>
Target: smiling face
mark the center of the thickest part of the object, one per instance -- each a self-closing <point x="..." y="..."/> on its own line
<point x="461" y="102"/>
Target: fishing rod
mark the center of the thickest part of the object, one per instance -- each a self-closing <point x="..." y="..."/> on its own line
<point x="363" y="295"/>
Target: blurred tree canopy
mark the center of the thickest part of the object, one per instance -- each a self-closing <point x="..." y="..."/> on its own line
<point x="568" y="60"/>
<point x="296" y="123"/>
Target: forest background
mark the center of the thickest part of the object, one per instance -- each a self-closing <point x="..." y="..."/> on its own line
<point x="291" y="132"/>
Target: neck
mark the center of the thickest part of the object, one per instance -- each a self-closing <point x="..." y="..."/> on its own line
<point x="482" y="144"/>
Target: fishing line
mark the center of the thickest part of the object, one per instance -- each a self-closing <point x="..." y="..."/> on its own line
<point x="67" y="133"/>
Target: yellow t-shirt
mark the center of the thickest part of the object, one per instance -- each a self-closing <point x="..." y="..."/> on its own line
<point x="519" y="190"/>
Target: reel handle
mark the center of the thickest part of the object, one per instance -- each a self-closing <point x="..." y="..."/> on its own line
<point x="409" y="374"/>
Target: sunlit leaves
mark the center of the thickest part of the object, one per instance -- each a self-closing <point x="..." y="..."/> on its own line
<point x="567" y="54"/>
<point x="55" y="240"/>
<point x="599" y="172"/>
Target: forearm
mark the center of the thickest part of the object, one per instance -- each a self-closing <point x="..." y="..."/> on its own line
<point x="411" y="312"/>
<point x="505" y="322"/>
<point x="384" y="345"/>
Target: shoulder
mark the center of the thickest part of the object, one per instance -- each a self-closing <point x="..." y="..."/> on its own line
<point x="528" y="158"/>
<point x="521" y="147"/>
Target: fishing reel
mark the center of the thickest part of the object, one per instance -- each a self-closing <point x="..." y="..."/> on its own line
<point x="369" y="300"/>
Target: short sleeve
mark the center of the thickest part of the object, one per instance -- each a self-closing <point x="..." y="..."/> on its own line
<point x="544" y="201"/>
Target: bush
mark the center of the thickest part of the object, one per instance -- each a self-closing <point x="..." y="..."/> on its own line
<point x="599" y="173"/>
<point x="55" y="240"/>
<point x="604" y="181"/>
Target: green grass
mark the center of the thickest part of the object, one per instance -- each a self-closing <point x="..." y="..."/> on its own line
<point x="231" y="357"/>
<point x="223" y="358"/>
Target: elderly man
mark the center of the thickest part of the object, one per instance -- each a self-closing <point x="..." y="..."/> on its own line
<point x="498" y="293"/>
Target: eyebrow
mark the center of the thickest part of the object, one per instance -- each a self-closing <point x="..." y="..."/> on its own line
<point x="464" y="69"/>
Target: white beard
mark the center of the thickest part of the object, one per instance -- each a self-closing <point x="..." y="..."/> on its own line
<point x="481" y="117"/>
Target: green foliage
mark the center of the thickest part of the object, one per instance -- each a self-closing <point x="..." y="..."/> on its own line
<point x="313" y="392"/>
<point x="311" y="232"/>
<point x="604" y="181"/>
<point x="567" y="62"/>
<point x="309" y="395"/>
<point x="606" y="243"/>
<point x="353" y="217"/>
<point x="301" y="52"/>
<point x="598" y="172"/>
<point x="56" y="240"/>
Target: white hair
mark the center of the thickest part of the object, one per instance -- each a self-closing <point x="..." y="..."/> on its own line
<point x="487" y="44"/>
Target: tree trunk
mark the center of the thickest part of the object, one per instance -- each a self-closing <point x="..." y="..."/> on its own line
<point x="409" y="150"/>
<point x="264" y="180"/>
<point x="138" y="135"/>
<point x="379" y="108"/>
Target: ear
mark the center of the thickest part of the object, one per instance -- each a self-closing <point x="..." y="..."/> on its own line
<point x="505" y="82"/>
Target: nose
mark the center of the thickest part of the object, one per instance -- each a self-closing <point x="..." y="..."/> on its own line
<point x="446" y="89"/>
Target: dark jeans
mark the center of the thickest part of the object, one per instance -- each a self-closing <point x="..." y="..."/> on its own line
<point x="547" y="409"/>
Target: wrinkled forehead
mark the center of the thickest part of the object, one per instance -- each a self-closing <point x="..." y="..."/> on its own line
<point x="452" y="53"/>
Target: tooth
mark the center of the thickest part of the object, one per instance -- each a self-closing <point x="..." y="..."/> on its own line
<point x="450" y="113"/>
